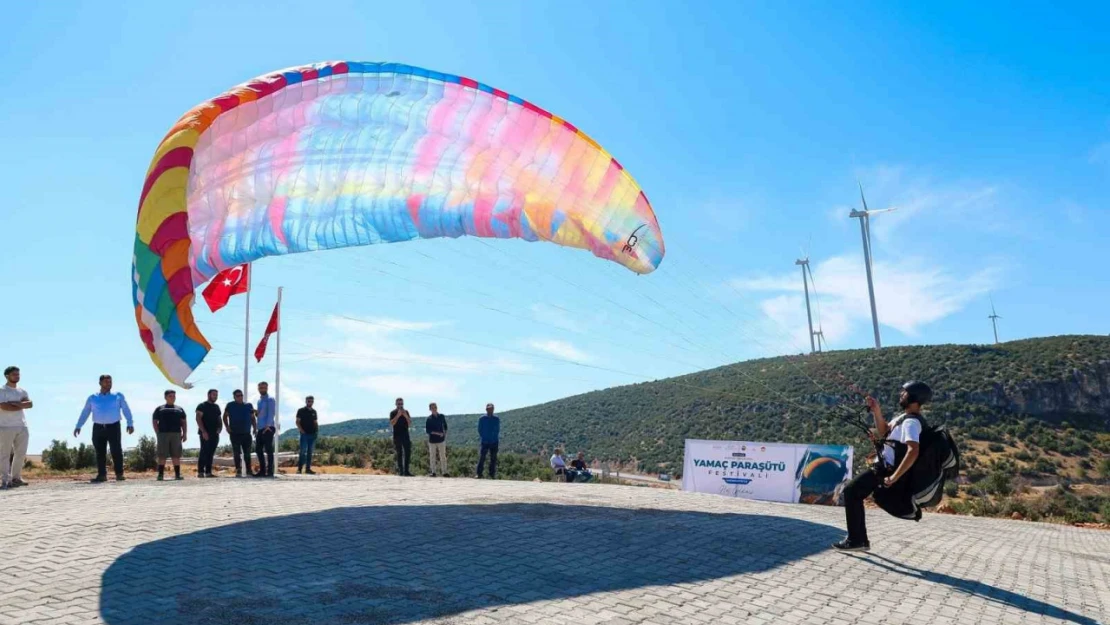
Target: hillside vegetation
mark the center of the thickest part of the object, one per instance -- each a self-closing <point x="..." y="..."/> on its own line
<point x="1039" y="408"/>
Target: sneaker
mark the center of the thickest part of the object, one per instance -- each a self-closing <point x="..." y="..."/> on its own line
<point x="120" y="478"/>
<point x="4" y="486"/>
<point x="211" y="475"/>
<point x="177" y="478"/>
<point x="238" y="474"/>
<point x="309" y="472"/>
<point x="845" y="545"/>
<point x="160" y="477"/>
<point x="15" y="483"/>
<point x="300" y="470"/>
<point x="100" y="479"/>
<point x="431" y="475"/>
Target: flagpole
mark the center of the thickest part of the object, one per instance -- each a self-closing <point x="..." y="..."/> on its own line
<point x="247" y="335"/>
<point x="277" y="385"/>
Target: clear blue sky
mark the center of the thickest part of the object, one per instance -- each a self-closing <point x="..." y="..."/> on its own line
<point x="748" y="126"/>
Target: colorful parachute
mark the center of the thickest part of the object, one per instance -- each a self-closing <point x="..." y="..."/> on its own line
<point x="343" y="153"/>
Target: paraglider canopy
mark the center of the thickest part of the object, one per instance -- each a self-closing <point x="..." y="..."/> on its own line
<point x="339" y="154"/>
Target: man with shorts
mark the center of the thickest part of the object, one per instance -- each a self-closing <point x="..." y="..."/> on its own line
<point x="171" y="424"/>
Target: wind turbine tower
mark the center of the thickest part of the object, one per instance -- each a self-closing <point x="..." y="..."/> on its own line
<point x="804" y="263"/>
<point x="864" y="217"/>
<point x="994" y="321"/>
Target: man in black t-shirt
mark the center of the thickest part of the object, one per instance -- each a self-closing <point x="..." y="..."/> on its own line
<point x="170" y="423"/>
<point x="400" y="420"/>
<point x="209" y="424"/>
<point x="308" y="426"/>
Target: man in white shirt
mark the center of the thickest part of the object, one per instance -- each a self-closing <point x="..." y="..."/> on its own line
<point x="901" y="446"/>
<point x="13" y="429"/>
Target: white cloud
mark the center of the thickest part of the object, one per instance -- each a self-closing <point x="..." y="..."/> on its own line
<point x="910" y="293"/>
<point x="222" y="370"/>
<point x="423" y="387"/>
<point x="559" y="349"/>
<point x="377" y="326"/>
<point x="556" y="317"/>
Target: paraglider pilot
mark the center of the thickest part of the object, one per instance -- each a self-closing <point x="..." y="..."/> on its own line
<point x="900" y="445"/>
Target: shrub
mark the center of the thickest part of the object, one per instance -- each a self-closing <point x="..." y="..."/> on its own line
<point x="58" y="457"/>
<point x="951" y="490"/>
<point x="144" y="456"/>
<point x="998" y="483"/>
<point x="996" y="447"/>
<point x="1104" y="468"/>
<point x="1044" y="465"/>
<point x="84" y="457"/>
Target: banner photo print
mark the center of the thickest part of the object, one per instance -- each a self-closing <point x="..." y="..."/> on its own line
<point x="767" y="471"/>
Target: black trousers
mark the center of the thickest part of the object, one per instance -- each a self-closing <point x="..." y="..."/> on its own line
<point x="104" y="436"/>
<point x="403" y="447"/>
<point x="207" y="453"/>
<point x="859" y="489"/>
<point x="491" y="449"/>
<point x="264" y="446"/>
<point x="241" y="448"/>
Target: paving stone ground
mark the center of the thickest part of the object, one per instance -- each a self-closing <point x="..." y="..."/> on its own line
<point x="353" y="550"/>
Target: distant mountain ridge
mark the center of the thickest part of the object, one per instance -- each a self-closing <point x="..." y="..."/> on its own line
<point x="1042" y="396"/>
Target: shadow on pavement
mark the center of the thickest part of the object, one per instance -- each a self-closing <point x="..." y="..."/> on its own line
<point x="399" y="564"/>
<point x="979" y="589"/>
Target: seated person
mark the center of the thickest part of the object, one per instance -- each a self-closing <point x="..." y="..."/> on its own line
<point x="559" y="465"/>
<point x="579" y="465"/>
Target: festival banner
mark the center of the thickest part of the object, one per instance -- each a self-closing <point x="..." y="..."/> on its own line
<point x="767" y="471"/>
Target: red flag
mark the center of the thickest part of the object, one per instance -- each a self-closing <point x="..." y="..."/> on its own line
<point x="231" y="281"/>
<point x="271" y="327"/>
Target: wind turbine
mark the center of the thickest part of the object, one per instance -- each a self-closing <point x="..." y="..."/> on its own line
<point x="994" y="321"/>
<point x="864" y="217"/>
<point x="819" y="335"/>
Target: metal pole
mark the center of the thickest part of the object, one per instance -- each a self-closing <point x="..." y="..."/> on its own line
<point x="867" y="263"/>
<point x="277" y="384"/>
<point x="995" y="324"/>
<point x="247" y="332"/>
<point x="809" y="315"/>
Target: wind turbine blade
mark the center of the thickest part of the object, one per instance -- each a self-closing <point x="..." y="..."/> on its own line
<point x="862" y="199"/>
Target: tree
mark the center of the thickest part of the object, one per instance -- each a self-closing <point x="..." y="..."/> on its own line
<point x="143" y="457"/>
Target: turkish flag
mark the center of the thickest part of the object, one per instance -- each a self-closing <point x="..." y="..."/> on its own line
<point x="231" y="281"/>
<point x="271" y="327"/>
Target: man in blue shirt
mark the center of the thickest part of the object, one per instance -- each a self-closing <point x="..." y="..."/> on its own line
<point x="105" y="408"/>
<point x="239" y="421"/>
<point x="266" y="426"/>
<point x="489" y="431"/>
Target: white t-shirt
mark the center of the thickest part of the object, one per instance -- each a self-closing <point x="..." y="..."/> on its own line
<point x="12" y="418"/>
<point x="558" y="462"/>
<point x="905" y="430"/>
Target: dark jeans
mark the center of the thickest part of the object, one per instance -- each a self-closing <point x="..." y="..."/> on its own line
<point x="403" y="447"/>
<point x="207" y="453"/>
<point x="264" y="445"/>
<point x="491" y="449"/>
<point x="104" y="436"/>
<point x="308" y="445"/>
<point x="859" y="489"/>
<point x="241" y="447"/>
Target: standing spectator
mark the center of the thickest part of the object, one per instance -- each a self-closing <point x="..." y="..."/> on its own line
<point x="105" y="408"/>
<point x="579" y="465"/>
<point x="400" y="420"/>
<point x="239" y="420"/>
<point x="309" y="427"/>
<point x="559" y="465"/>
<point x="13" y="429"/>
<point x="436" y="427"/>
<point x="266" y="428"/>
<point x="171" y="426"/>
<point x="209" y="426"/>
<point x="489" y="431"/>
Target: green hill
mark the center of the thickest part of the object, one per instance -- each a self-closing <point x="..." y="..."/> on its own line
<point x="1040" y="407"/>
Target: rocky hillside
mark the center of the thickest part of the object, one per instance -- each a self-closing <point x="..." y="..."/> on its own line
<point x="1040" y="407"/>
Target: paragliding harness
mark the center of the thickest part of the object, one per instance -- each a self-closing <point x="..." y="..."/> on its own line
<point x="938" y="461"/>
